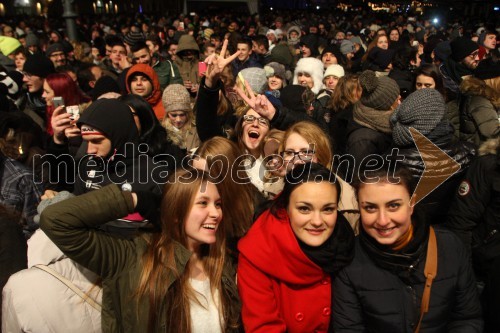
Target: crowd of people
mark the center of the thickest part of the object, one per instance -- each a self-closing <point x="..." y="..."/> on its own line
<point x="236" y="173"/>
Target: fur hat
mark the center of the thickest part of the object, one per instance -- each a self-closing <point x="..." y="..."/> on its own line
<point x="423" y="109"/>
<point x="335" y="70"/>
<point x="313" y="67"/>
<point x="176" y="98"/>
<point x="379" y="93"/>
<point x="39" y="65"/>
<point x="461" y="47"/>
<point x="8" y="45"/>
<point x="275" y="69"/>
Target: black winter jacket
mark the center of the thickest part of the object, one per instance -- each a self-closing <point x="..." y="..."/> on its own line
<point x="475" y="211"/>
<point x="368" y="298"/>
<point x="436" y="205"/>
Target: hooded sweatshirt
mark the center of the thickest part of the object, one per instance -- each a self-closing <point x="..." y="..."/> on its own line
<point x="122" y="165"/>
<point x="154" y="99"/>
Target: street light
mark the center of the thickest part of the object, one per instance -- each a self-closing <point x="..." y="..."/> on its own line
<point x="70" y="15"/>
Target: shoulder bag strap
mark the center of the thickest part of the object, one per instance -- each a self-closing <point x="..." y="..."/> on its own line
<point x="430" y="271"/>
<point x="70" y="285"/>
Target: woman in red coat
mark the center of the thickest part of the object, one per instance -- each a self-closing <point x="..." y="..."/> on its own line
<point x="290" y="253"/>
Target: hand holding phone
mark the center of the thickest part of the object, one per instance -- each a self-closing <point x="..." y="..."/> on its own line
<point x="202" y="68"/>
<point x="57" y="101"/>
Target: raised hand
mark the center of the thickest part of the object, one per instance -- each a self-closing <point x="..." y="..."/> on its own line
<point x="259" y="103"/>
<point x="216" y="64"/>
<point x="60" y="121"/>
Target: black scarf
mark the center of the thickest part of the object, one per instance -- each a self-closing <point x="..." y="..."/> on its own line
<point x="403" y="262"/>
<point x="338" y="250"/>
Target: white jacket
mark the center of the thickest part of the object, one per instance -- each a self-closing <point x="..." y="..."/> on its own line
<point x="35" y="301"/>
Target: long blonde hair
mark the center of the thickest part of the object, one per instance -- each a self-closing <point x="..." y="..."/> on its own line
<point x="159" y="262"/>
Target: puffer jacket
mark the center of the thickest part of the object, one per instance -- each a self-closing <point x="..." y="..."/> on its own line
<point x="475" y="212"/>
<point x="369" y="298"/>
<point x="436" y="208"/>
<point x="478" y="115"/>
<point x="71" y="226"/>
<point x="154" y="99"/>
<point x="36" y="301"/>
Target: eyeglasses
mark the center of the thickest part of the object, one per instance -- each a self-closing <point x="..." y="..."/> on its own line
<point x="474" y="54"/>
<point x="303" y="155"/>
<point x="249" y="119"/>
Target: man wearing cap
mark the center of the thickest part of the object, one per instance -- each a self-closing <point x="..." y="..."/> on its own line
<point x="167" y="71"/>
<point x="56" y="54"/>
<point x="461" y="63"/>
<point x="113" y="156"/>
<point x="36" y="68"/>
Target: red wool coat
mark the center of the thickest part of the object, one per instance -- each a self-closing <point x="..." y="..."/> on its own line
<point x="281" y="289"/>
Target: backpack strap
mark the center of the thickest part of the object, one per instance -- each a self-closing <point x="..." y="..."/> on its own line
<point x="71" y="285"/>
<point x="430" y="272"/>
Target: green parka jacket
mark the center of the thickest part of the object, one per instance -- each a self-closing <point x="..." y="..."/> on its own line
<point x="71" y="225"/>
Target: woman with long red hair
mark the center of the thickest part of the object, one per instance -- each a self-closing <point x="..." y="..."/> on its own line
<point x="61" y="85"/>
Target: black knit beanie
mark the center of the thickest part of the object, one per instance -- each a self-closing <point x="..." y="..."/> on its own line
<point x="461" y="47"/>
<point x="39" y="65"/>
<point x="423" y="109"/>
<point x="379" y="93"/>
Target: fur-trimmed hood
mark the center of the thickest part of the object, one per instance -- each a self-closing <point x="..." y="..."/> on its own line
<point x="491" y="146"/>
<point x="314" y="67"/>
<point x="476" y="87"/>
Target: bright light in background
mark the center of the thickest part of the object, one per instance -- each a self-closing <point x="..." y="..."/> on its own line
<point x="317" y="7"/>
<point x="435" y="21"/>
<point x="26" y="2"/>
<point x="271" y="8"/>
<point x="496" y="8"/>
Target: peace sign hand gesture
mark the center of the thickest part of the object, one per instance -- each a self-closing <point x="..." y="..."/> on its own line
<point x="216" y="64"/>
<point x="259" y="103"/>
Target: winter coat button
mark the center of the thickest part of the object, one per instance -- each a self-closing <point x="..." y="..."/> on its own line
<point x="326" y="311"/>
<point x="299" y="316"/>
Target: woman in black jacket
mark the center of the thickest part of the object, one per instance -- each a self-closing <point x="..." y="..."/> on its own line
<point x="424" y="110"/>
<point x="382" y="289"/>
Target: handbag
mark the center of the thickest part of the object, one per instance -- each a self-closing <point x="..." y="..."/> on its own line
<point x="71" y="285"/>
<point x="430" y="271"/>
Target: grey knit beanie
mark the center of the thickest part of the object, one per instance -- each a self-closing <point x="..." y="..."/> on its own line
<point x="176" y="98"/>
<point x="61" y="196"/>
<point x="256" y="78"/>
<point x="423" y="109"/>
<point x="379" y="93"/>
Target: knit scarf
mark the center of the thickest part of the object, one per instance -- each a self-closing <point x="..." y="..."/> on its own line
<point x="371" y="118"/>
<point x="338" y="250"/>
<point x="402" y="262"/>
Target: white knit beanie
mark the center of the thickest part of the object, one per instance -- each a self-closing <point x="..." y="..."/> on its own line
<point x="335" y="70"/>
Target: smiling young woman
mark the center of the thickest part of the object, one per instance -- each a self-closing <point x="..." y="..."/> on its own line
<point x="383" y="288"/>
<point x="160" y="282"/>
<point x="290" y="254"/>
